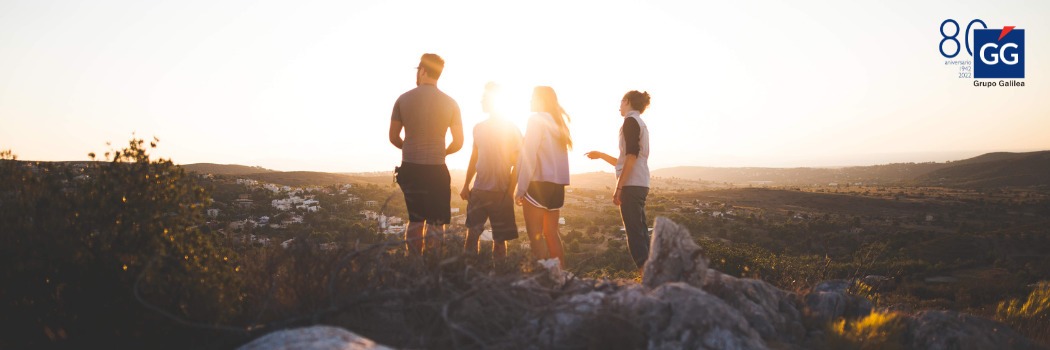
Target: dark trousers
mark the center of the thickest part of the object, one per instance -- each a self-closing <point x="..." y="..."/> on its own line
<point x="632" y="210"/>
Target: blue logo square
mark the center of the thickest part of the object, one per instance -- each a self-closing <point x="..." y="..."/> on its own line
<point x="998" y="58"/>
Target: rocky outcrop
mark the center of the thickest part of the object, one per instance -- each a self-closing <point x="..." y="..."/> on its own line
<point x="772" y="312"/>
<point x="673" y="257"/>
<point x="680" y="304"/>
<point x="831" y="300"/>
<point x="315" y="338"/>
<point x="943" y="330"/>
<point x="686" y="317"/>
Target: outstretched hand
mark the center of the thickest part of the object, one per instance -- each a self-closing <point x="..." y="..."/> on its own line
<point x="594" y="154"/>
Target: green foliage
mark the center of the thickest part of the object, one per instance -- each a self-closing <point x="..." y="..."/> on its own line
<point x="613" y="262"/>
<point x="76" y="238"/>
<point x="783" y="270"/>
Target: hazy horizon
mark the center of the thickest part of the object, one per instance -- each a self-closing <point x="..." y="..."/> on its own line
<point x="311" y="86"/>
<point x="918" y="157"/>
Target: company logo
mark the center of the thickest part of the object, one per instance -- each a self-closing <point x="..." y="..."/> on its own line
<point x="993" y="53"/>
<point x="1000" y="53"/>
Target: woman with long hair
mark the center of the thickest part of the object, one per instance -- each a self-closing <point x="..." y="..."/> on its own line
<point x="544" y="173"/>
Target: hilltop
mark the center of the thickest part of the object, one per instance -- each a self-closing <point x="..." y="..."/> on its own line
<point x="993" y="170"/>
<point x="303" y="178"/>
<point x="997" y="169"/>
<point x="225" y="169"/>
<point x="875" y="174"/>
<point x="762" y="267"/>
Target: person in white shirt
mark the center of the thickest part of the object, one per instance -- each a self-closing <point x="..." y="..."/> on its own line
<point x="544" y="172"/>
<point x="632" y="173"/>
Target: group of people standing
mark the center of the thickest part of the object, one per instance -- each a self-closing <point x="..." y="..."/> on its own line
<point x="507" y="168"/>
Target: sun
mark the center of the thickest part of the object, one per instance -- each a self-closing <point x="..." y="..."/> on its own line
<point x="509" y="100"/>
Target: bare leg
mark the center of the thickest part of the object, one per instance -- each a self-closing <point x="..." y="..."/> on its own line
<point x="471" y="244"/>
<point x="534" y="228"/>
<point x="414" y="236"/>
<point x="499" y="249"/>
<point x="550" y="233"/>
<point x="435" y="237"/>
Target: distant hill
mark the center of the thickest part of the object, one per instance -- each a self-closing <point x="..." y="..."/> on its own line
<point x="993" y="170"/>
<point x="994" y="156"/>
<point x="307" y="178"/>
<point x="988" y="170"/>
<point x="224" y="169"/>
<point x="596" y="180"/>
<point x="288" y="178"/>
<point x="876" y="174"/>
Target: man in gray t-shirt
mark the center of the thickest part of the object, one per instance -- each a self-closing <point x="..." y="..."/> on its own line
<point x="496" y="145"/>
<point x="426" y="114"/>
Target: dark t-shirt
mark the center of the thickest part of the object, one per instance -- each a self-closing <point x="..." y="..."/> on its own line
<point x="427" y="114"/>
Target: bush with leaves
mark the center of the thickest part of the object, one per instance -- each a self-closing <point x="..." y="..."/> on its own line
<point x="87" y="248"/>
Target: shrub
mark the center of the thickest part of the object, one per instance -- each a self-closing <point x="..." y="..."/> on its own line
<point x="84" y="246"/>
<point x="1032" y="316"/>
<point x="878" y="330"/>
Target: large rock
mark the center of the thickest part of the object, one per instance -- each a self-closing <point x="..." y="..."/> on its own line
<point x="943" y="330"/>
<point x="673" y="316"/>
<point x="830" y="300"/>
<point x="680" y="316"/>
<point x="772" y="312"/>
<point x="314" y="338"/>
<point x="673" y="257"/>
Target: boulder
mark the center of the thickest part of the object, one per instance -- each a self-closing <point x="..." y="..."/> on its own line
<point x="680" y="316"/>
<point x="314" y="338"/>
<point x="772" y="312"/>
<point x="879" y="283"/>
<point x="942" y="330"/>
<point x="830" y="300"/>
<point x="673" y="257"/>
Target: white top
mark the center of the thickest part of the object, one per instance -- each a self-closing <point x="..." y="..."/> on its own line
<point x="542" y="157"/>
<point x="639" y="175"/>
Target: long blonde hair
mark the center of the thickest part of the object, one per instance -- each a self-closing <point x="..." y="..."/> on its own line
<point x="548" y="101"/>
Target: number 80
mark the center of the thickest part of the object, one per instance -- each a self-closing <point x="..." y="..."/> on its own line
<point x="958" y="46"/>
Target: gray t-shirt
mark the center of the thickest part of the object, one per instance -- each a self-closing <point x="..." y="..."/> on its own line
<point x="427" y="114"/>
<point x="498" y="142"/>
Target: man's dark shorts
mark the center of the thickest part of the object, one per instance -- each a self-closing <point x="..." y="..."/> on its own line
<point x="498" y="208"/>
<point x="428" y="192"/>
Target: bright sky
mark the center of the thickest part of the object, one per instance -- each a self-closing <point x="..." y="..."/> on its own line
<point x="309" y="85"/>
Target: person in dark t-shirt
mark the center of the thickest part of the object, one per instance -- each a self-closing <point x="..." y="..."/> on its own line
<point x="426" y="114"/>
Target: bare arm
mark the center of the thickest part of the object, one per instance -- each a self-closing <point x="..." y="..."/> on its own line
<point x="457" y="139"/>
<point x="527" y="157"/>
<point x="395" y="133"/>
<point x="472" y="169"/>
<point x="628" y="166"/>
<point x="603" y="156"/>
<point x="513" y="171"/>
